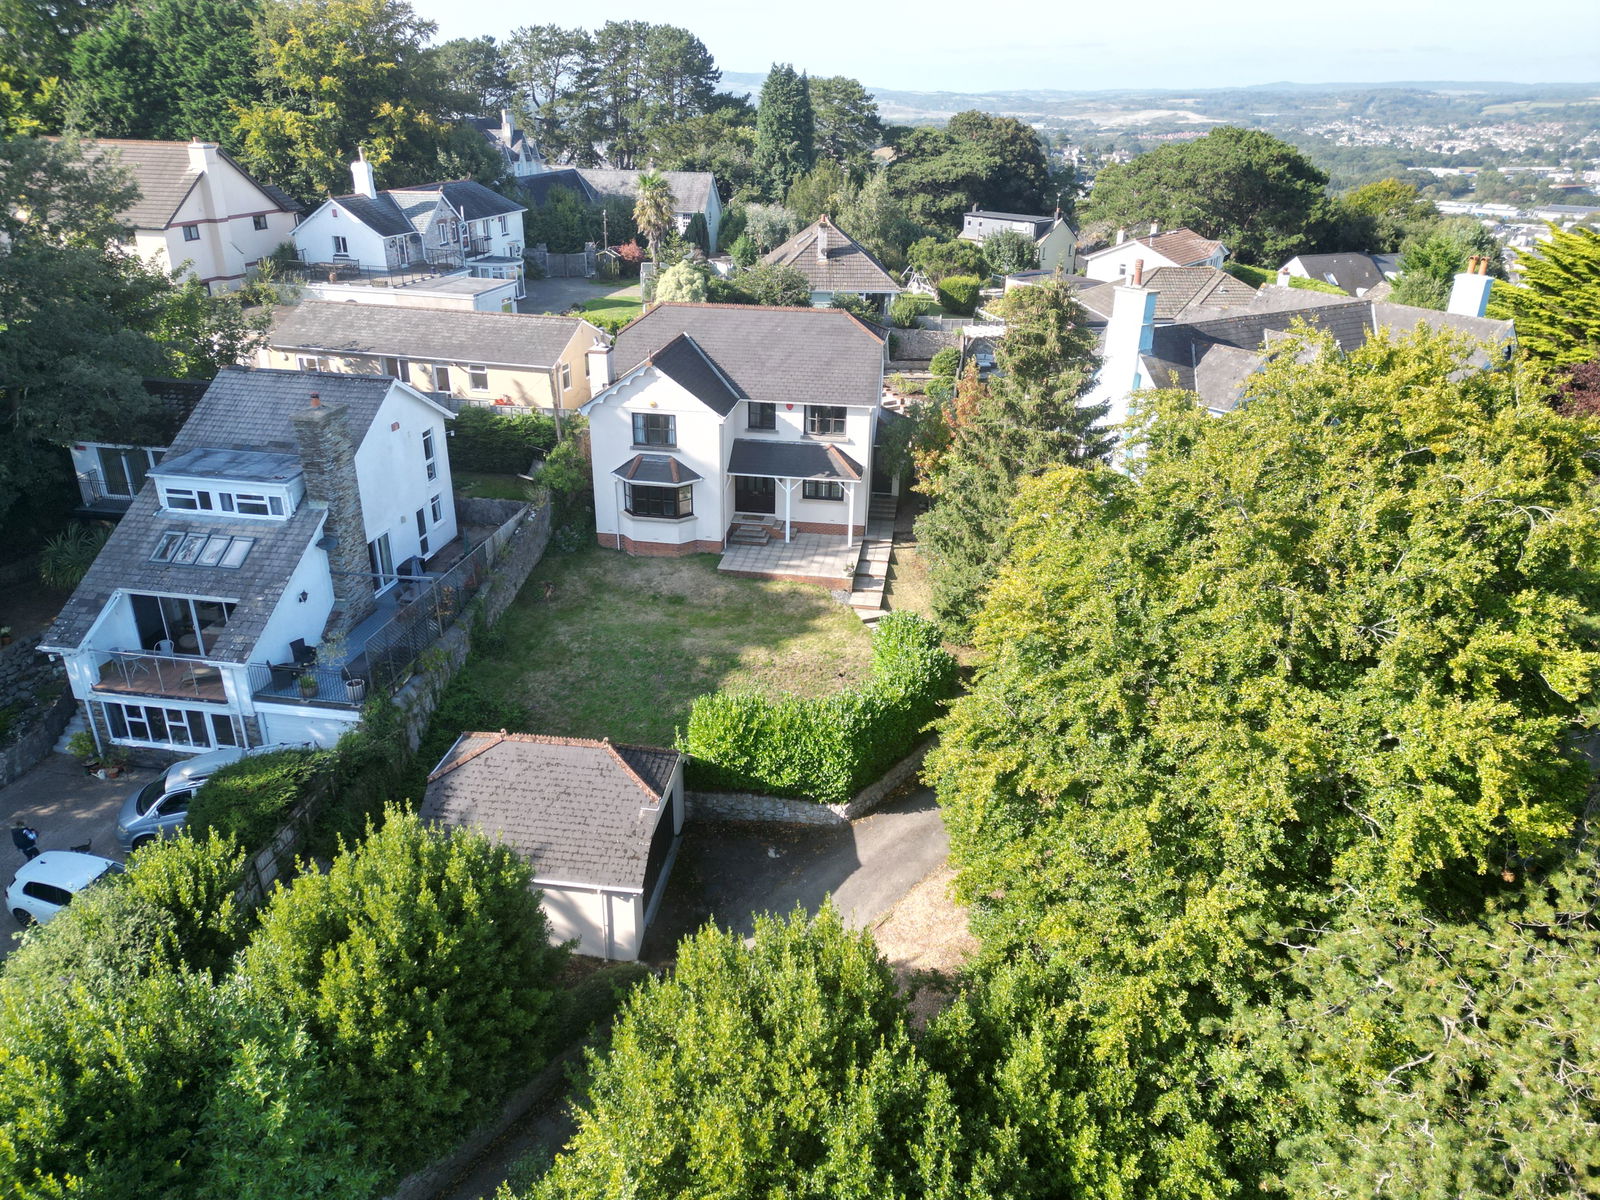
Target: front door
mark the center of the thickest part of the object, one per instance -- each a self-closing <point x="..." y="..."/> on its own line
<point x="754" y="494"/>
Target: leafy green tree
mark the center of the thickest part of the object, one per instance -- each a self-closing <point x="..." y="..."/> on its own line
<point x="419" y="963"/>
<point x="681" y="283"/>
<point x="878" y="221"/>
<point x="938" y="176"/>
<point x="1442" y="1057"/>
<point x="1026" y="421"/>
<point x="770" y="225"/>
<point x="1380" y="217"/>
<point x="1556" y="304"/>
<point x="1338" y="640"/>
<point x="821" y="191"/>
<point x="562" y="223"/>
<point x="477" y="72"/>
<point x="338" y="75"/>
<point x="202" y="333"/>
<point x="782" y="1067"/>
<point x="654" y="210"/>
<point x="549" y="67"/>
<point x="847" y="124"/>
<point x="721" y="140"/>
<point x="1256" y="194"/>
<point x="1432" y="261"/>
<point x="1008" y="252"/>
<point x="785" y="131"/>
<point x="774" y="283"/>
<point x="1020" y="178"/>
<point x="857" y="306"/>
<point x="938" y="258"/>
<point x="168" y="70"/>
<point x="743" y="251"/>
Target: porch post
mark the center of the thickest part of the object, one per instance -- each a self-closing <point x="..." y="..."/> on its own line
<point x="850" y="515"/>
<point x="788" y="508"/>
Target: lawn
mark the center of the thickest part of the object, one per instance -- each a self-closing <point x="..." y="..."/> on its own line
<point x="617" y="308"/>
<point x="622" y="645"/>
<point x="489" y="486"/>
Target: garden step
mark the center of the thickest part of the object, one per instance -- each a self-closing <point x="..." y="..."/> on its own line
<point x="78" y="724"/>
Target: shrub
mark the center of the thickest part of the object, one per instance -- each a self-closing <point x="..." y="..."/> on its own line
<point x="959" y="293"/>
<point x="420" y="965"/>
<point x="905" y="308"/>
<point x="941" y="258"/>
<point x="248" y="800"/>
<point x="67" y="557"/>
<point x="681" y="283"/>
<point x="744" y="250"/>
<point x="484" y="440"/>
<point x="824" y="749"/>
<point x="857" y="306"/>
<point x="775" y="284"/>
<point x="1008" y="252"/>
<point x="947" y="362"/>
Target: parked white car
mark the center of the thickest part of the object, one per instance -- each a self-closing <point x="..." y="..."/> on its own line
<point x="47" y="884"/>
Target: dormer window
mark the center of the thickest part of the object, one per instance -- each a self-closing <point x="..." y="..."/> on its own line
<point x="232" y="503"/>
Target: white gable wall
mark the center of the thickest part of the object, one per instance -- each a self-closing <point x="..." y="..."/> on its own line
<point x="313" y="238"/>
<point x="392" y="474"/>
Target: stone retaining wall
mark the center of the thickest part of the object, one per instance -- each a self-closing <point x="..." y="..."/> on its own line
<point x="31" y="683"/>
<point x="752" y="806"/>
<point x="37" y="740"/>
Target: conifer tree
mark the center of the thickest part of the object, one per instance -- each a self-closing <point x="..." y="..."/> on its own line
<point x="785" y="131"/>
<point x="1557" y="305"/>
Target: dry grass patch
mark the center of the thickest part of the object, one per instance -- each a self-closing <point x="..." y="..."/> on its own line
<point x="622" y="645"/>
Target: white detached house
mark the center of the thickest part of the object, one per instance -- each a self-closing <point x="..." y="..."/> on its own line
<point x="708" y="416"/>
<point x="260" y="564"/>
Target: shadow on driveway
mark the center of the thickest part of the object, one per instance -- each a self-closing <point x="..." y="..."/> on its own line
<point x="729" y="871"/>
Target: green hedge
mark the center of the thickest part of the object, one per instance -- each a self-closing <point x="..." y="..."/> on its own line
<point x="959" y="293"/>
<point x="248" y="800"/>
<point x="482" y="439"/>
<point x="824" y="749"/>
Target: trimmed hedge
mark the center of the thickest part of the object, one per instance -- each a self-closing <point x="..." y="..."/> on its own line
<point x="482" y="439"/>
<point x="248" y="800"/>
<point x="959" y="293"/>
<point x="824" y="749"/>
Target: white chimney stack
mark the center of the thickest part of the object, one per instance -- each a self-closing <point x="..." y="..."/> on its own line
<point x="1122" y="236"/>
<point x="1469" y="295"/>
<point x="822" y="240"/>
<point x="361" y="171"/>
<point x="1283" y="277"/>
<point x="1155" y="228"/>
<point x="202" y="156"/>
<point x="599" y="356"/>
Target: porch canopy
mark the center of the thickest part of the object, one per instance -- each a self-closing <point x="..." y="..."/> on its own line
<point x="792" y="464"/>
<point x="660" y="469"/>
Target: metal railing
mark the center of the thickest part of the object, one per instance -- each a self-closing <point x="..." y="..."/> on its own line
<point x="354" y="273"/>
<point x="92" y="485"/>
<point x="392" y="651"/>
<point x="171" y="676"/>
<point x="309" y="684"/>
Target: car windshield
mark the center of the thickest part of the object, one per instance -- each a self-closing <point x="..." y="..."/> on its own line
<point x="149" y="794"/>
<point x="111" y="869"/>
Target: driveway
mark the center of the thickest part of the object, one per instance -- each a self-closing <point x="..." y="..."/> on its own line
<point x="730" y="871"/>
<point x="68" y="807"/>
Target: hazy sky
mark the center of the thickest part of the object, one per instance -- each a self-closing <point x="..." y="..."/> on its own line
<point x="939" y="45"/>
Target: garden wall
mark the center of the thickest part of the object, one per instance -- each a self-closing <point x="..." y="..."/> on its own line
<point x="36" y="688"/>
<point x="749" y="806"/>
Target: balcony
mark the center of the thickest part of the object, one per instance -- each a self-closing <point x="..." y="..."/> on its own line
<point x="101" y="499"/>
<point x="168" y="676"/>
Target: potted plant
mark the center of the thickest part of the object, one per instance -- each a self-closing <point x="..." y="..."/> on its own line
<point x="113" y="763"/>
<point x="81" y="746"/>
<point x="308" y="685"/>
<point x="5" y="635"/>
<point x="357" y="687"/>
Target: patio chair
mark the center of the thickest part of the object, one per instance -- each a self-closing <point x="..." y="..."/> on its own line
<point x="304" y="655"/>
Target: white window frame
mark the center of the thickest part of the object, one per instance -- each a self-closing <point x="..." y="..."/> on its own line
<point x="422" y="533"/>
<point x="566" y="377"/>
<point x="430" y="455"/>
<point x="476" y="373"/>
<point x="441" y="377"/>
<point x="436" y="509"/>
<point x="341" y="246"/>
<point x="312" y="362"/>
<point x="136" y="720"/>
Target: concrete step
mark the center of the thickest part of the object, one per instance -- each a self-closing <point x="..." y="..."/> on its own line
<point x="78" y="724"/>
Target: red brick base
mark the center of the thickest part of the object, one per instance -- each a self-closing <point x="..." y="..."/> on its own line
<point x="614" y="541"/>
<point x="833" y="528"/>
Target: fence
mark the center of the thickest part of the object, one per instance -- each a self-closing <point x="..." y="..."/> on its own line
<point x="354" y="272"/>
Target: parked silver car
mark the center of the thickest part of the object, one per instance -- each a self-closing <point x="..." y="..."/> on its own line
<point x="160" y="807"/>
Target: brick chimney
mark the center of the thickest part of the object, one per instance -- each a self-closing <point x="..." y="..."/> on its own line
<point x="1138" y="272"/>
<point x="822" y="238"/>
<point x="329" y="461"/>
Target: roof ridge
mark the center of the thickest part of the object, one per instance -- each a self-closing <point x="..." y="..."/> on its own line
<point x="541" y="739"/>
<point x="637" y="778"/>
<point x="445" y="768"/>
<point x="794" y="308"/>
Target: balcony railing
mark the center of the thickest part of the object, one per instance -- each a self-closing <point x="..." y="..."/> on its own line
<point x="313" y="684"/>
<point x="170" y="676"/>
<point x="98" y="497"/>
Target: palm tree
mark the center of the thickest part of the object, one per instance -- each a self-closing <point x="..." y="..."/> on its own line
<point x="653" y="210"/>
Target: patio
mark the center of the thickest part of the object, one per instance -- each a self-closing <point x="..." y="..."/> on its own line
<point x="808" y="558"/>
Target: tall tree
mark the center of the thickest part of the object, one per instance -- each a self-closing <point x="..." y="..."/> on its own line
<point x="1256" y="194"/>
<point x="654" y="210"/>
<point x="1434" y="257"/>
<point x="1380" y="217"/>
<point x="938" y="176"/>
<point x="847" y="125"/>
<point x="343" y="74"/>
<point x="478" y="74"/>
<point x="1556" y="304"/>
<point x="1029" y="419"/>
<point x="785" y="131"/>
<point x="1020" y="178"/>
<point x="549" y="66"/>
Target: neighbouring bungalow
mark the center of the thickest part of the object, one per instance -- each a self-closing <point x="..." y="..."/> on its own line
<point x="1181" y="247"/>
<point x="833" y="262"/>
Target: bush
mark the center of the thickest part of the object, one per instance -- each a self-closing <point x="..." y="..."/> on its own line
<point x="824" y="749"/>
<point x="941" y="258"/>
<point x="959" y="293"/>
<point x="905" y="308"/>
<point x="775" y="284"/>
<point x="857" y="306"/>
<point x="484" y="440"/>
<point x="947" y="362"/>
<point x="248" y="800"/>
<point x="67" y="557"/>
<point x="744" y="250"/>
<point x="681" y="283"/>
<point x="1008" y="252"/>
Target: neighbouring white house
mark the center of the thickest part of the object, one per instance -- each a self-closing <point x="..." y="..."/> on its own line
<point x="1175" y="248"/>
<point x="1054" y="240"/>
<point x="263" y="573"/>
<point x="1214" y="353"/>
<point x="707" y="417"/>
<point x="597" y="822"/>
<point x="198" y="210"/>
<point x="834" y="262"/>
<point x="513" y="361"/>
<point x="455" y="226"/>
<point x="109" y="474"/>
<point x="1356" y="274"/>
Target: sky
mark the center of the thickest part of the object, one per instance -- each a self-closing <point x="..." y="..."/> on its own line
<point x="942" y="45"/>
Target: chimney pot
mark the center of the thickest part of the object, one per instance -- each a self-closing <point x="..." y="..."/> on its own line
<point x="316" y="400"/>
<point x="1138" y="272"/>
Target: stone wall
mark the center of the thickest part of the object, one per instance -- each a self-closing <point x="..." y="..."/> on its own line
<point x="32" y="685"/>
<point x="526" y="534"/>
<point x="751" y="806"/>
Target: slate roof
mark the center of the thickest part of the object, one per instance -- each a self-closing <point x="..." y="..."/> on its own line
<point x="1036" y="218"/>
<point x="447" y="334"/>
<point x="255" y="465"/>
<point x="784" y="355"/>
<point x="537" y="187"/>
<point x="691" y="190"/>
<point x="686" y="364"/>
<point x="1353" y="273"/>
<point x="1185" y="288"/>
<point x="164" y="177"/>
<point x="656" y="468"/>
<point x="792" y="460"/>
<point x="378" y="213"/>
<point x="247" y="409"/>
<point x="1182" y="246"/>
<point x="843" y="266"/>
<point x="579" y="811"/>
<point x="467" y="196"/>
